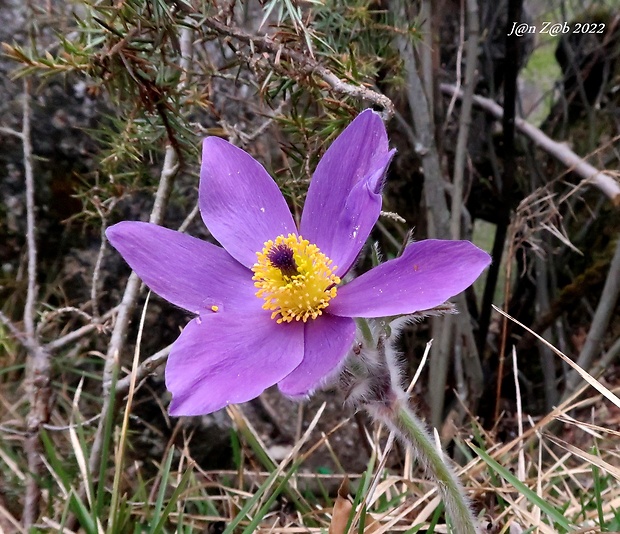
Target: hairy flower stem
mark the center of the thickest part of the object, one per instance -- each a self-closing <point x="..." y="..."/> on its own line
<point x="372" y="380"/>
<point x="401" y="420"/>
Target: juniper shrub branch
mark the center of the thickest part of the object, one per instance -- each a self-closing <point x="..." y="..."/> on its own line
<point x="306" y="65"/>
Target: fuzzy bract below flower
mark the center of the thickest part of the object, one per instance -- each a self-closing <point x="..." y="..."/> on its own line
<point x="270" y="307"/>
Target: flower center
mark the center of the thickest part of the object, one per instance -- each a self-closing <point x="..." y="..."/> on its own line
<point x="295" y="278"/>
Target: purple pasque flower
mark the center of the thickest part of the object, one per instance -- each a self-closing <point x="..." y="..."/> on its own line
<point x="270" y="308"/>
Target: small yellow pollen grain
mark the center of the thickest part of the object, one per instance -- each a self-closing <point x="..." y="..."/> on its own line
<point x="299" y="296"/>
<point x="215" y="308"/>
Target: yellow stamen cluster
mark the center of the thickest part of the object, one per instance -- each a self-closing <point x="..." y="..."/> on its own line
<point x="301" y="291"/>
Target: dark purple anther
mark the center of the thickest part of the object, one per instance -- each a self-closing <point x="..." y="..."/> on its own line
<point x="282" y="257"/>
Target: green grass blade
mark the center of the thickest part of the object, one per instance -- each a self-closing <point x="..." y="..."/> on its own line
<point x="530" y="495"/>
<point x="362" y="490"/>
<point x="250" y="503"/>
<point x="282" y="486"/>
<point x="161" y="494"/>
<point x="82" y="513"/>
<point x="267" y="462"/>
<point x="598" y="489"/>
<point x="159" y="527"/>
<point x="88" y="479"/>
<point x="54" y="461"/>
<point x="105" y="446"/>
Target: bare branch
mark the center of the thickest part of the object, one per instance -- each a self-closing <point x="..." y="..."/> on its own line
<point x="29" y="309"/>
<point x="546" y="356"/>
<point x="600" y="179"/>
<point x="434" y="184"/>
<point x="102" y="248"/>
<point x="17" y="333"/>
<point x="10" y="131"/>
<point x="434" y="196"/>
<point x="78" y="333"/>
<point x="145" y="369"/>
<point x="39" y="367"/>
<point x="439" y="220"/>
<point x="607" y="359"/>
<point x="168" y="172"/>
<point x="464" y="118"/>
<point x="189" y="219"/>
<point x="186" y="43"/>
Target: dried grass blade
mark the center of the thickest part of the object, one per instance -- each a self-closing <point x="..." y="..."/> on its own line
<point x="582" y="372"/>
<point x="588" y="457"/>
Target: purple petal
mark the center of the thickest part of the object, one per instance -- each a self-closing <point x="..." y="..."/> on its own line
<point x="327" y="339"/>
<point x="426" y="275"/>
<point x="239" y="202"/>
<point x="225" y="359"/>
<point x="186" y="271"/>
<point x="344" y="198"/>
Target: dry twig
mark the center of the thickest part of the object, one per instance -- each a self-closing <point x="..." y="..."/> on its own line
<point x="38" y="365"/>
<point x="600" y="179"/>
<point x="143" y="370"/>
<point x="78" y="333"/>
